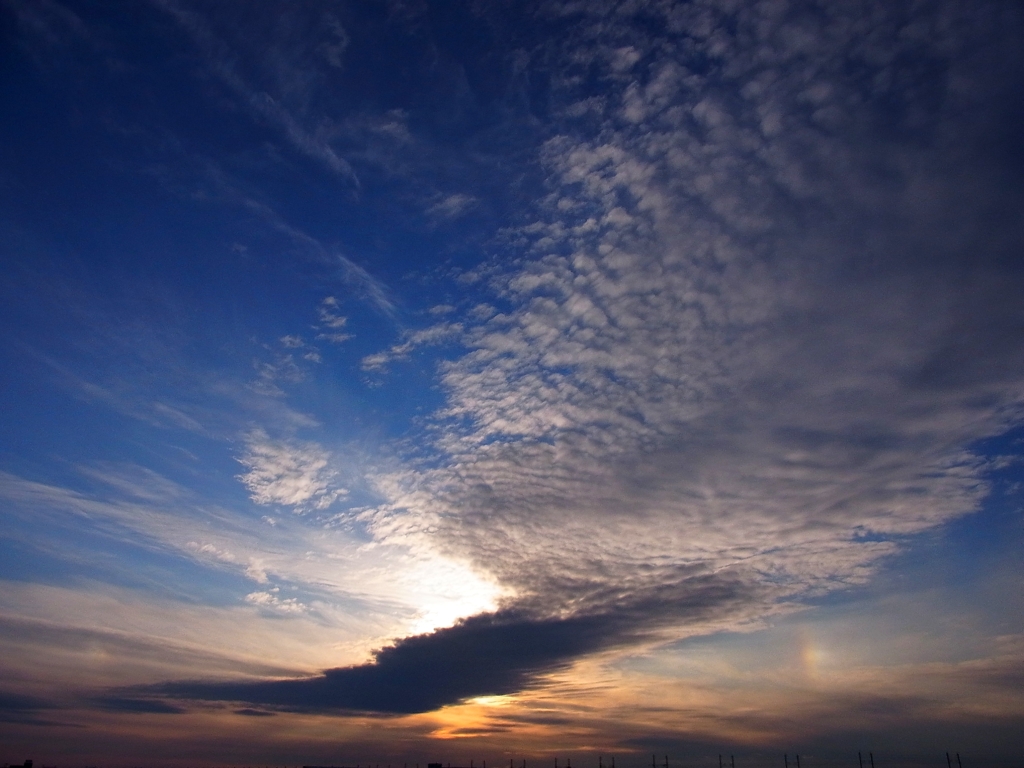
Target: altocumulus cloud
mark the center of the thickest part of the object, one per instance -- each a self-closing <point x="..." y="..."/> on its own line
<point x="290" y="472"/>
<point x="750" y="337"/>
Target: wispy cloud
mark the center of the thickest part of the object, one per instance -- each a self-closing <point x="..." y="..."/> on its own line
<point x="434" y="334"/>
<point x="451" y="206"/>
<point x="368" y="287"/>
<point x="260" y="102"/>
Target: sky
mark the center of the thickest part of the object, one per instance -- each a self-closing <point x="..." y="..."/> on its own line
<point x="394" y="381"/>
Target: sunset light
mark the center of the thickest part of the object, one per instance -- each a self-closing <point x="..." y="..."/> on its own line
<point x="512" y="384"/>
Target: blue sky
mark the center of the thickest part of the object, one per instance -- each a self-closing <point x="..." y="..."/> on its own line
<point x="399" y="381"/>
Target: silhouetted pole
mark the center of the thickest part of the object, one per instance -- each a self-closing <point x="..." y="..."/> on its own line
<point x="798" y="761"/>
<point x="719" y="761"/>
<point x="860" y="760"/>
<point x="957" y="761"/>
<point x="666" y="761"/>
<point x="785" y="760"/>
<point x="948" y="764"/>
<point x="871" y="756"/>
<point x="732" y="760"/>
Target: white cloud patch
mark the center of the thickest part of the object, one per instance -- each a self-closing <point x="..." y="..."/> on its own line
<point x="331" y="323"/>
<point x="435" y="334"/>
<point x="271" y="600"/>
<point x="451" y="206"/>
<point x="291" y="473"/>
<point x="209" y="550"/>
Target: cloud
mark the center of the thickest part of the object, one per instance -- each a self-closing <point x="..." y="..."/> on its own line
<point x="50" y="23"/>
<point x="138" y="706"/>
<point x="482" y="655"/>
<point x="331" y="322"/>
<point x="737" y="368"/>
<point x="272" y="601"/>
<point x="451" y="206"/>
<point x="432" y="335"/>
<point x="487" y="654"/>
<point x="261" y="103"/>
<point x="25" y="710"/>
<point x="350" y="586"/>
<point x="745" y="347"/>
<point x="290" y="473"/>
